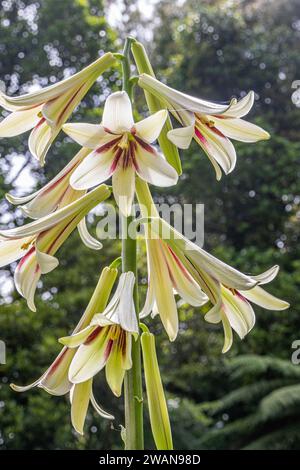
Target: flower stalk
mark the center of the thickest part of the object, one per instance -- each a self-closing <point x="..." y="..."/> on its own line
<point x="133" y="392"/>
<point x="144" y="66"/>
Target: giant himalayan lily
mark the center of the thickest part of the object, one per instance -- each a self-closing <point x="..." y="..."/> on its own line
<point x="106" y="342"/>
<point x="46" y="110"/>
<point x="210" y="124"/>
<point x="37" y="242"/>
<point x="167" y="275"/>
<point x="55" y="380"/>
<point x="121" y="148"/>
<point x="227" y="289"/>
<point x="56" y="194"/>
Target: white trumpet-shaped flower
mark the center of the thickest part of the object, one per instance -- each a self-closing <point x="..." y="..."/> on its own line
<point x="121" y="149"/>
<point x="36" y="243"/>
<point x="106" y="342"/>
<point x="228" y="289"/>
<point x="212" y="125"/>
<point x="54" y="195"/>
<point x="56" y="380"/>
<point x="46" y="110"/>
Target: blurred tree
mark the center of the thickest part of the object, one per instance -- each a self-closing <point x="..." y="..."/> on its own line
<point x="262" y="409"/>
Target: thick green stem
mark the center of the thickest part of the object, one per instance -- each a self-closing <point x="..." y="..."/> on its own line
<point x="133" y="391"/>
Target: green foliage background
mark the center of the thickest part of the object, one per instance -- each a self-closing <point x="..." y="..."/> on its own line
<point x="216" y="50"/>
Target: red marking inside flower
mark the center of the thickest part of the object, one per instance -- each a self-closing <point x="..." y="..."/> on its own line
<point x="65" y="228"/>
<point x="145" y="145"/>
<point x="179" y="263"/>
<point x="108" y="349"/>
<point x="41" y="121"/>
<point x="108" y="145"/>
<point x="57" y="361"/>
<point x="25" y="257"/>
<point x="93" y="335"/>
<point x="116" y="159"/>
<point x="200" y="136"/>
<point x="61" y="115"/>
<point x="216" y="131"/>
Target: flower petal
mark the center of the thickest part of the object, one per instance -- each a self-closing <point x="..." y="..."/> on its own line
<point x="219" y="270"/>
<point x="80" y="402"/>
<point x="26" y="277"/>
<point x="228" y="337"/>
<point x="239" y="312"/>
<point x="153" y="168"/>
<point x="216" y="146"/>
<point x="262" y="298"/>
<point x="149" y="301"/>
<point x="113" y="370"/>
<point x="182" y="136"/>
<point x="267" y="276"/>
<point x="98" y="408"/>
<point x="95" y="168"/>
<point x="80" y="206"/>
<point x="47" y="199"/>
<point x="163" y="289"/>
<point x="19" y="121"/>
<point x="55" y="380"/>
<point x="178" y="99"/>
<point x="46" y="262"/>
<point x="76" y="339"/>
<point x="150" y="128"/>
<point x="238" y="109"/>
<point x="87" y="135"/>
<point x="90" y="357"/>
<point x="53" y="91"/>
<point x="241" y="130"/>
<point x="40" y="139"/>
<point x="123" y="182"/>
<point x="126" y="310"/>
<point x="183" y="282"/>
<point x="86" y="237"/>
<point x="12" y="250"/>
<point x="117" y="114"/>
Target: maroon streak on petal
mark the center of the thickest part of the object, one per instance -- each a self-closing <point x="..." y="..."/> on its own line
<point x="116" y="159"/>
<point x="216" y="131"/>
<point x="108" y="349"/>
<point x="41" y="121"/>
<point x="200" y="136"/>
<point x="25" y="257"/>
<point x="109" y="131"/>
<point x="145" y="145"/>
<point x="203" y="280"/>
<point x="179" y="263"/>
<point x="59" y="235"/>
<point x="57" y="361"/>
<point x="132" y="149"/>
<point x="93" y="335"/>
<point x="108" y="145"/>
<point x="240" y="296"/>
<point x="60" y="116"/>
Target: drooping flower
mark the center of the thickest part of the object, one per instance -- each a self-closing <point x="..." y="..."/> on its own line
<point x="212" y="125"/>
<point x="37" y="242"/>
<point x="167" y="275"/>
<point x="54" y="195"/>
<point x="106" y="342"/>
<point x="228" y="289"/>
<point x="46" y="110"/>
<point x="121" y="148"/>
<point x="56" y="381"/>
